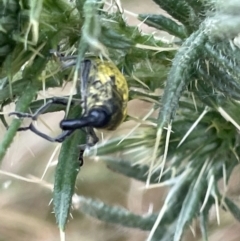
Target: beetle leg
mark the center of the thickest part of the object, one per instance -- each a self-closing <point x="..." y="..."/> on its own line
<point x="60" y="138"/>
<point x="80" y="158"/>
<point x="41" y="110"/>
<point x="34" y="116"/>
<point x="91" y="135"/>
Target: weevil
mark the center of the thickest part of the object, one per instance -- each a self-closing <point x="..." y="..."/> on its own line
<point x="104" y="97"/>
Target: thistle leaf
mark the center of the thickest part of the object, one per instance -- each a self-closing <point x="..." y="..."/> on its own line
<point x="163" y="23"/>
<point x="189" y="208"/>
<point x="66" y="173"/>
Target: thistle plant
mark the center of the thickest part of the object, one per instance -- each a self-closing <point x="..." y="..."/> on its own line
<point x="194" y="141"/>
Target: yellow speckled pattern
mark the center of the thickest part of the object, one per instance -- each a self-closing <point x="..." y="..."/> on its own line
<point x="107" y="87"/>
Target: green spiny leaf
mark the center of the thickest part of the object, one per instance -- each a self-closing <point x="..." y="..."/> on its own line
<point x="177" y="9"/>
<point x="189" y="208"/>
<point x="138" y="172"/>
<point x="163" y="23"/>
<point x="179" y="76"/>
<point x="117" y="215"/>
<point x="66" y="173"/>
<point x="22" y="106"/>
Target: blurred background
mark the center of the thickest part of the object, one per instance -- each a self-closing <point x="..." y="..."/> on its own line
<point x="25" y="207"/>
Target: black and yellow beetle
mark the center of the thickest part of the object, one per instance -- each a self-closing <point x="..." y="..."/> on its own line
<point x="104" y="93"/>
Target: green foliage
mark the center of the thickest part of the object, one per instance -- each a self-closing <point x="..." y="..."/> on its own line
<point x="9" y="11"/>
<point x="22" y="106"/>
<point x="194" y="141"/>
<point x="164" y="23"/>
<point x="66" y="173"/>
